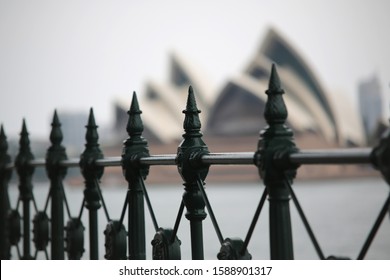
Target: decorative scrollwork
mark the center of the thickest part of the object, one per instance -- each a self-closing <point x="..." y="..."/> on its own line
<point x="163" y="248"/>
<point x="231" y="250"/>
<point x="115" y="241"/>
<point x="74" y="238"/>
<point x="41" y="230"/>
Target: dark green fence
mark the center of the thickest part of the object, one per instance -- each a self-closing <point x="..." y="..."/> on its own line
<point x="277" y="159"/>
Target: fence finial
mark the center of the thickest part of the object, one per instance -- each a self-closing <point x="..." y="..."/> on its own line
<point x="275" y="110"/>
<point x="56" y="133"/>
<point x="56" y="151"/>
<point x="92" y="150"/>
<point x="191" y="123"/>
<point x="135" y="146"/>
<point x="4" y="157"/>
<point x="192" y="141"/>
<point x="24" y="142"/>
<point x="134" y="126"/>
<point x="25" y="153"/>
<point x="3" y="141"/>
<point x="91" y="135"/>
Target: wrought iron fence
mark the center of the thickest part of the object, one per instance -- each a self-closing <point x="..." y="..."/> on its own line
<point x="277" y="159"/>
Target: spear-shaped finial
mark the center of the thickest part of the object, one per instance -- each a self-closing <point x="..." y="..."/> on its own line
<point x="56" y="133"/>
<point x="135" y="145"/>
<point x="4" y="157"/>
<point x="191" y="123"/>
<point x="56" y="152"/>
<point x="275" y="110"/>
<point x="3" y="141"/>
<point x="91" y="135"/>
<point x="24" y="142"/>
<point x="134" y="126"/>
<point x="24" y="170"/>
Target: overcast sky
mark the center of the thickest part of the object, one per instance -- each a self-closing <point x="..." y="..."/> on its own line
<point x="77" y="54"/>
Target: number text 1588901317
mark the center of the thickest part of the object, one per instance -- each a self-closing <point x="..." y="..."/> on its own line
<point x="242" y="270"/>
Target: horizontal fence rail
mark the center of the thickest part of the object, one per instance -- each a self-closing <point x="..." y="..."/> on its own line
<point x="277" y="159"/>
<point x="335" y="156"/>
<point x="329" y="156"/>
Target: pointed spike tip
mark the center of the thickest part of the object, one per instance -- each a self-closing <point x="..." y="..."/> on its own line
<point x="56" y="120"/>
<point x="91" y="118"/>
<point x="274" y="81"/>
<point x="2" y="133"/>
<point x="134" y="96"/>
<point x="191" y="102"/>
<point x="3" y="140"/>
<point x="134" y="106"/>
<point x="24" y="126"/>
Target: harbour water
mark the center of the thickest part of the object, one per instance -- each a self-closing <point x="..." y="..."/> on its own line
<point x="341" y="213"/>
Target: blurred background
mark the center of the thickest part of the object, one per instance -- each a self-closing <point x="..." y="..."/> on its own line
<point x="332" y="57"/>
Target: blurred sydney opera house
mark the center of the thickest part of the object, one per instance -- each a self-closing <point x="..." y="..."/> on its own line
<point x="236" y="110"/>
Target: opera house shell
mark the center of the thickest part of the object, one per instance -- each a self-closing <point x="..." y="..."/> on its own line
<point x="237" y="109"/>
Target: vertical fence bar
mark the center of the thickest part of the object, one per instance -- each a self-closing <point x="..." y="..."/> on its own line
<point x="135" y="147"/>
<point x="191" y="170"/>
<point x="275" y="144"/>
<point x="5" y="175"/>
<point x="25" y="173"/>
<point x="92" y="173"/>
<point x="56" y="173"/>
